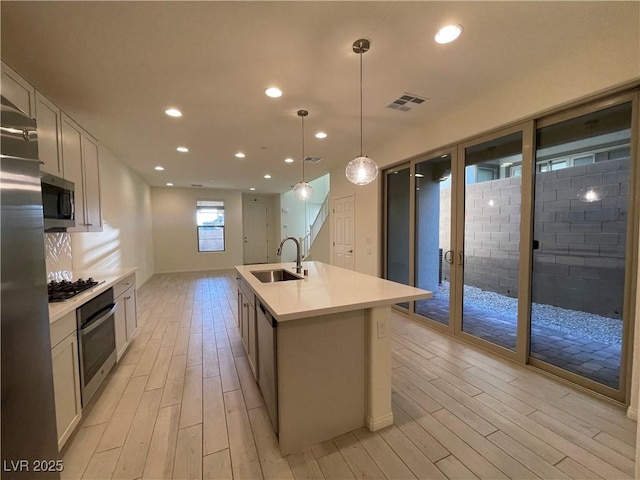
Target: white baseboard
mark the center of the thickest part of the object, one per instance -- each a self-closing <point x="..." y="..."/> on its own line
<point x="374" y="424"/>
<point x="632" y="413"/>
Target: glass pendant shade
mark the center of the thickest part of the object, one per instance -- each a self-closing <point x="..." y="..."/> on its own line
<point x="303" y="190"/>
<point x="361" y="170"/>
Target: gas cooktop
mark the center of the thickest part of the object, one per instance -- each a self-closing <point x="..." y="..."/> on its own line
<point x="65" y="289"/>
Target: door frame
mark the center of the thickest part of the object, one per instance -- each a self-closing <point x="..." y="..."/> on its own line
<point x="459" y="170"/>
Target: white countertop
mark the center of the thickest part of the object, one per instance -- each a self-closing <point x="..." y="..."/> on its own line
<point x="327" y="289"/>
<point x="107" y="278"/>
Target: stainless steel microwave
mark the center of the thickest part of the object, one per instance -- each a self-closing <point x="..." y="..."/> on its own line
<point x="57" y="203"/>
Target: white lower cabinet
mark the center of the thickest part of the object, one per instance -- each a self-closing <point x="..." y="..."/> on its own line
<point x="66" y="376"/>
<point x="247" y="324"/>
<point x="126" y="316"/>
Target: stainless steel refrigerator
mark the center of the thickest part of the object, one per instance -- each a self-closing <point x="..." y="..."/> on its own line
<point x="28" y="425"/>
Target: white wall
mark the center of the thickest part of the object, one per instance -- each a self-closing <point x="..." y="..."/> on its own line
<point x="175" y="237"/>
<point x="367" y="219"/>
<point x="126" y="216"/>
<point x="293" y="215"/>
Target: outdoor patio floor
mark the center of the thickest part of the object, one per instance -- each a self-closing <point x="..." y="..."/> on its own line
<point x="581" y="355"/>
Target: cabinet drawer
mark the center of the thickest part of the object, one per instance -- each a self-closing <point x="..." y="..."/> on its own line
<point x="62" y="328"/>
<point x="123" y="285"/>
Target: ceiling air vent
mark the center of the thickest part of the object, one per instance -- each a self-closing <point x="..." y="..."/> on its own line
<point x="407" y="101"/>
<point x="195" y="185"/>
<point x="312" y="159"/>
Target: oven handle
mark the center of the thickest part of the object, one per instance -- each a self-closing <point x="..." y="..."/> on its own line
<point x="99" y="321"/>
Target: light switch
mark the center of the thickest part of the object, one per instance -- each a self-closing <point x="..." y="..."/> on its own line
<point x="367" y="240"/>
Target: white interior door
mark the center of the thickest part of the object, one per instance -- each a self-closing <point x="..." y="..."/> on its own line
<point x="254" y="223"/>
<point x="343" y="232"/>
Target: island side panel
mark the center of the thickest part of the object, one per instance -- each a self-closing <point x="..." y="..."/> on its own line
<point x="378" y="331"/>
<point x="321" y="378"/>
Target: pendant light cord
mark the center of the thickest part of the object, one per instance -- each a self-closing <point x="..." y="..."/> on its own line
<point x="302" y="149"/>
<point x="361" y="101"/>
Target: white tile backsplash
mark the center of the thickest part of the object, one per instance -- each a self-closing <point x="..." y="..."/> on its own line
<point x="58" y="255"/>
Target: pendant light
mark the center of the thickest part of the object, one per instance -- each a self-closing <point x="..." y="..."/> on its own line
<point x="303" y="189"/>
<point x="361" y="170"/>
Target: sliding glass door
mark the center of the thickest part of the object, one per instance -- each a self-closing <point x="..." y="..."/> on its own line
<point x="581" y="227"/>
<point x="433" y="236"/>
<point x="528" y="239"/>
<point x="398" y="195"/>
<point x="490" y="255"/>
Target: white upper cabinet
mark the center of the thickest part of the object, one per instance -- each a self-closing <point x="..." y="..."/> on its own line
<point x="91" y="168"/>
<point x="48" y="118"/>
<point x="80" y="159"/>
<point x="72" y="157"/>
<point x="17" y="90"/>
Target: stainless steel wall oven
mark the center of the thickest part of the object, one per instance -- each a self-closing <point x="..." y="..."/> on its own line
<point x="97" y="342"/>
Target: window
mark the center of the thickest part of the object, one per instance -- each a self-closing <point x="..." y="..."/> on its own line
<point x="210" y="221"/>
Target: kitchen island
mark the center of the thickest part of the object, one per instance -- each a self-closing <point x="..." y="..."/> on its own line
<point x="323" y="361"/>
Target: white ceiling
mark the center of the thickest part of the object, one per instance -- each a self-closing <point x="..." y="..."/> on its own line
<point x="116" y="66"/>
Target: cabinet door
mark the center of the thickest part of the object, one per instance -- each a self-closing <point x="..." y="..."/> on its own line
<point x="132" y="314"/>
<point x="244" y="323"/>
<point x="17" y="90"/>
<point x="252" y="353"/>
<point x="72" y="159"/>
<point x="49" y="136"/>
<point x="91" y="170"/>
<point x="120" y="318"/>
<point x="66" y="386"/>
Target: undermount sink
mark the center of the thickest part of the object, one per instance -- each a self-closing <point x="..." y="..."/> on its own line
<point x="270" y="276"/>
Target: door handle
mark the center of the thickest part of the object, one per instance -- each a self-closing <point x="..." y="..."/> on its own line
<point x="349" y="251"/>
<point x="460" y="257"/>
<point x="448" y="257"/>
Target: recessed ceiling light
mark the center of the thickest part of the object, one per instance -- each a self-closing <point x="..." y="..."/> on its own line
<point x="252" y="189"/>
<point x="289" y="160"/>
<point x="169" y="184"/>
<point x="321" y="135"/>
<point x="159" y="168"/>
<point x="267" y="176"/>
<point x="448" y="33"/>
<point x="173" y="112"/>
<point x="182" y="149"/>
<point x="240" y="155"/>
<point x="273" y="92"/>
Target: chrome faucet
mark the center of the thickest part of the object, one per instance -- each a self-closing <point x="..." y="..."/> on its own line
<point x="298" y="252"/>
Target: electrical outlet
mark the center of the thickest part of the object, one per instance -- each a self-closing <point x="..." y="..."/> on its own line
<point x="382" y="328"/>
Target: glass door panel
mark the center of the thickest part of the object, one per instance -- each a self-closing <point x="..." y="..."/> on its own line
<point x="582" y="180"/>
<point x="397" y="221"/>
<point x="433" y="248"/>
<point x="492" y="198"/>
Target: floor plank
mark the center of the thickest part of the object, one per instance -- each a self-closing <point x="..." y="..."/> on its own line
<point x="188" y="461"/>
<point x="163" y="444"/>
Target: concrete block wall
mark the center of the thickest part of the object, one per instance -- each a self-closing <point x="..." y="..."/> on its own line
<point x="492" y="235"/>
<point x="581" y="257"/>
<point x="580" y="261"/>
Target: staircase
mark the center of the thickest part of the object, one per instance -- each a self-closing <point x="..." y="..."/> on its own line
<point x="307" y="241"/>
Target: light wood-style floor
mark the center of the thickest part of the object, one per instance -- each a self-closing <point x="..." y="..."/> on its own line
<point x="182" y="404"/>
